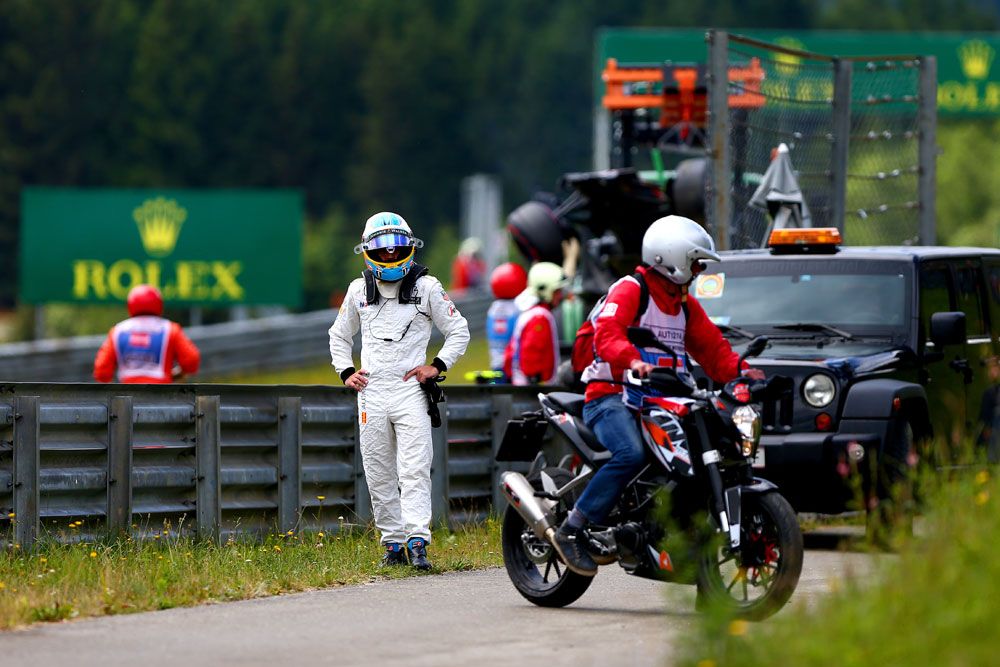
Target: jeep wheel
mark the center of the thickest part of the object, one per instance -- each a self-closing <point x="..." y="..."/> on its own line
<point x="892" y="506"/>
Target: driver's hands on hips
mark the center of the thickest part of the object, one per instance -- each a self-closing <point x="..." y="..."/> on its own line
<point x="422" y="373"/>
<point x="753" y="374"/>
<point x="640" y="368"/>
<point x="358" y="381"/>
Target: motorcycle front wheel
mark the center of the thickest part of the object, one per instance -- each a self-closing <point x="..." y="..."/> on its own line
<point x="532" y="564"/>
<point x="756" y="580"/>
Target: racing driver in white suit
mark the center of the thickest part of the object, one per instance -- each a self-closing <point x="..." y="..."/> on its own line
<point x="394" y="304"/>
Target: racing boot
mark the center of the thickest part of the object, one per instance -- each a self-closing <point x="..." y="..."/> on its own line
<point x="394" y="555"/>
<point x="417" y="547"/>
<point x="571" y="545"/>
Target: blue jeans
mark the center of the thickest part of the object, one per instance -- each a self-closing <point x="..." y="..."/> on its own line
<point x="615" y="426"/>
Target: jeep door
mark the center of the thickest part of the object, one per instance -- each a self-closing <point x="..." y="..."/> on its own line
<point x="945" y="386"/>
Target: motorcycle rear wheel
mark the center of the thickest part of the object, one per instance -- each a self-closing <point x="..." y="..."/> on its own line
<point x="758" y="579"/>
<point x="532" y="563"/>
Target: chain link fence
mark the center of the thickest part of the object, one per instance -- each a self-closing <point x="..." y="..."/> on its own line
<point x="860" y="134"/>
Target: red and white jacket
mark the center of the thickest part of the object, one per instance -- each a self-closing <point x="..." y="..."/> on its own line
<point x="533" y="350"/>
<point x="694" y="334"/>
<point x="144" y="350"/>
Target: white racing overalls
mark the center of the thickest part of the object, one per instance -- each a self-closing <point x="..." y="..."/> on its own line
<point x="396" y="448"/>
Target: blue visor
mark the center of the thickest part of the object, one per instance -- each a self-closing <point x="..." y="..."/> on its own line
<point x="389" y="240"/>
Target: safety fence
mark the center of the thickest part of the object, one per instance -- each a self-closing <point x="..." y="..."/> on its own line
<point x="860" y="133"/>
<point x="270" y="343"/>
<point x="81" y="460"/>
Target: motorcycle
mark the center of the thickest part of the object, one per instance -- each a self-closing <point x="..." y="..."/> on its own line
<point x="694" y="515"/>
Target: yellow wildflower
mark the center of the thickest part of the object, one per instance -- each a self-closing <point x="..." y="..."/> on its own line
<point x="277" y="548"/>
<point x="738" y="628"/>
<point x="11" y="515"/>
<point x="321" y="498"/>
<point x="320" y="533"/>
<point x="982" y="497"/>
<point x="982" y="476"/>
<point x="93" y="554"/>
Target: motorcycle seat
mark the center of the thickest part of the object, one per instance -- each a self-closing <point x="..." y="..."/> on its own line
<point x="571" y="403"/>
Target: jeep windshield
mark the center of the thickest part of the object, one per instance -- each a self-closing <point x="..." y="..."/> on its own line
<point x="808" y="298"/>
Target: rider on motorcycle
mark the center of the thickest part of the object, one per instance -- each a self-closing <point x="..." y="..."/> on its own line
<point x="672" y="252"/>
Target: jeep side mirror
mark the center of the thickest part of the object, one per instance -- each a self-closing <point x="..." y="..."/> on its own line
<point x="948" y="328"/>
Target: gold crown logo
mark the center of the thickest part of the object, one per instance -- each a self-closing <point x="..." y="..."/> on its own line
<point x="159" y="222"/>
<point x="976" y="56"/>
<point x="788" y="64"/>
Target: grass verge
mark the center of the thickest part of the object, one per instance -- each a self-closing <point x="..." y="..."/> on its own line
<point x="476" y="358"/>
<point x="936" y="605"/>
<point x="55" y="581"/>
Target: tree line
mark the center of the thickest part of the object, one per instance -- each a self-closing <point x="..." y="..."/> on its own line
<point x="363" y="104"/>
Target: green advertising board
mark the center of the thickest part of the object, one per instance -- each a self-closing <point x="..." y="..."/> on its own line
<point x="200" y="247"/>
<point x="968" y="81"/>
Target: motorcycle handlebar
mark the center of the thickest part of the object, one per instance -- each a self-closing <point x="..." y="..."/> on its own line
<point x="689" y="389"/>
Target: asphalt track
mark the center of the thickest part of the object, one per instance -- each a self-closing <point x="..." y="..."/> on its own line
<point x="469" y="618"/>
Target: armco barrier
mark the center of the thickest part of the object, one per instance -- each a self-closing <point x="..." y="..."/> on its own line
<point x="245" y="346"/>
<point x="218" y="460"/>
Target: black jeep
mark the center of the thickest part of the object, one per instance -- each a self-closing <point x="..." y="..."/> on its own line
<point x="889" y="348"/>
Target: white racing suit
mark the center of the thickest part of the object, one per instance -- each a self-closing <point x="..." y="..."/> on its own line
<point x="396" y="447"/>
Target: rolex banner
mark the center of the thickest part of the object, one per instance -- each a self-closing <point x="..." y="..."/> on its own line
<point x="199" y="247"/>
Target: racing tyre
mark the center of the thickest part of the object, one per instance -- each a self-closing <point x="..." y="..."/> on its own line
<point x="757" y="579"/>
<point x="532" y="563"/>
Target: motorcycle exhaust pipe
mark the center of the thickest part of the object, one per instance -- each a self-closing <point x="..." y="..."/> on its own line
<point x="535" y="511"/>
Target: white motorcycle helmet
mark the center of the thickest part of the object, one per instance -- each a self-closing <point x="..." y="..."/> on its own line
<point x="672" y="244"/>
<point x="545" y="279"/>
<point x="386" y="232"/>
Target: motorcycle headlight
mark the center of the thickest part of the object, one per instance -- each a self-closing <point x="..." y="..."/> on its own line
<point x="747" y="422"/>
<point x="819" y="390"/>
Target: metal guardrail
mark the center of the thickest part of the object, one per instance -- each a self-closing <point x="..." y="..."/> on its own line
<point x="218" y="460"/>
<point x="269" y="343"/>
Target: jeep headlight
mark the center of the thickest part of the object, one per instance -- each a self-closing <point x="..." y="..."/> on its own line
<point x="748" y="424"/>
<point x="819" y="390"/>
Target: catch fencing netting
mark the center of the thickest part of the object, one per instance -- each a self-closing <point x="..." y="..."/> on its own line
<point x="853" y="129"/>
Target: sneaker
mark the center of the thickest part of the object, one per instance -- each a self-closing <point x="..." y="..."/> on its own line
<point x="394" y="555"/>
<point x="417" y="547"/>
<point x="570" y="544"/>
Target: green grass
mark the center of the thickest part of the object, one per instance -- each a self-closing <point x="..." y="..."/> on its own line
<point x="475" y="358"/>
<point x="934" y="605"/>
<point x="59" y="581"/>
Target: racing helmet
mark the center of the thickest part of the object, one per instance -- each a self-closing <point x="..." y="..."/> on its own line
<point x="385" y="233"/>
<point x="508" y="280"/>
<point x="672" y="244"/>
<point x="144" y="300"/>
<point x="545" y="279"/>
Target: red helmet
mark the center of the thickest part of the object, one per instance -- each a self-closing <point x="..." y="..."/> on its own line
<point x="145" y="300"/>
<point x="508" y="280"/>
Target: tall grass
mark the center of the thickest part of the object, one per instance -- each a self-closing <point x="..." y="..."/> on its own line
<point x="58" y="581"/>
<point x="934" y="605"/>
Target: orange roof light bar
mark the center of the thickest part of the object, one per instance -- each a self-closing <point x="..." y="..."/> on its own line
<point x="809" y="236"/>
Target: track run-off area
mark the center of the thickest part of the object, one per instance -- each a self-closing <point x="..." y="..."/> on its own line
<point x="461" y="618"/>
